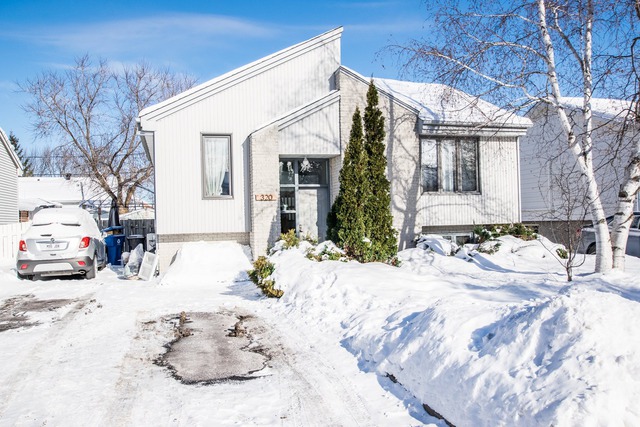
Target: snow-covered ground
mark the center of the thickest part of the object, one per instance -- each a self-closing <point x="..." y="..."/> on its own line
<point x="484" y="340"/>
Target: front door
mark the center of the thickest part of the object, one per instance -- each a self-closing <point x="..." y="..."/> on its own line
<point x="304" y="196"/>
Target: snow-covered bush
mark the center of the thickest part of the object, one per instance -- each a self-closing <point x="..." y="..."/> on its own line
<point x="262" y="270"/>
<point x="490" y="232"/>
<point x="326" y="251"/>
<point x="437" y="244"/>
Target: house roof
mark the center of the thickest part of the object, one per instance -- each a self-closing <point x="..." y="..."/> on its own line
<point x="603" y="108"/>
<point x="12" y="154"/>
<point x="441" y="104"/>
<point x="58" y="190"/>
<point x="235" y="76"/>
<point x="438" y="103"/>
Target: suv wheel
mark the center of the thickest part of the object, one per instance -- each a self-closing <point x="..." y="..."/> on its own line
<point x="591" y="250"/>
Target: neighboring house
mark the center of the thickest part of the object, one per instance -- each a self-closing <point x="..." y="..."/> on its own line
<point x="10" y="169"/>
<point x="36" y="193"/>
<point x="553" y="195"/>
<point x="258" y="151"/>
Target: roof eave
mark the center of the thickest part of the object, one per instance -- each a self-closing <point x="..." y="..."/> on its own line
<point x="12" y="154"/>
<point x="473" y="129"/>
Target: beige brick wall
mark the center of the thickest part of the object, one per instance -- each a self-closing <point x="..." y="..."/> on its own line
<point x="264" y="181"/>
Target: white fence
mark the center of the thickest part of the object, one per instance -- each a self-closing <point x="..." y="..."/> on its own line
<point x="10" y="237"/>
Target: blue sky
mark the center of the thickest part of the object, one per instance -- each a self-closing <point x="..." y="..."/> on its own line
<point x="203" y="38"/>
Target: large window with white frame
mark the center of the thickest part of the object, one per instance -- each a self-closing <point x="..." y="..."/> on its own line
<point x="450" y="165"/>
<point x="216" y="166"/>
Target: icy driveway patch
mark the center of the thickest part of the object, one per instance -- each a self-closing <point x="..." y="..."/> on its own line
<point x="214" y="347"/>
<point x="24" y="311"/>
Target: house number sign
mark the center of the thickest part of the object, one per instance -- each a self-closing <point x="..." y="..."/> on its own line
<point x="265" y="197"/>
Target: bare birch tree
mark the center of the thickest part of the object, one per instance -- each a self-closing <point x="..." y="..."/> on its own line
<point x="92" y="110"/>
<point x="538" y="51"/>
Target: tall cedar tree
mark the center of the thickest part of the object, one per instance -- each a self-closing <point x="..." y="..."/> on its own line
<point x="346" y="220"/>
<point x="378" y="219"/>
<point x="27" y="169"/>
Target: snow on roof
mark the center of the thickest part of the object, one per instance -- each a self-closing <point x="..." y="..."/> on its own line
<point x="59" y="189"/>
<point x="603" y="108"/>
<point x="145" y="213"/>
<point x="438" y="103"/>
<point x="33" y="204"/>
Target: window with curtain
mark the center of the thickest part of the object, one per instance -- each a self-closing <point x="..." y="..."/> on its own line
<point x="450" y="165"/>
<point x="216" y="165"/>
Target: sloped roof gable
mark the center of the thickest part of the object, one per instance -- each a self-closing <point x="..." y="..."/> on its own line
<point x="233" y="77"/>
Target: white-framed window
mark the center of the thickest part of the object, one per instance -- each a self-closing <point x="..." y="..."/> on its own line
<point x="450" y="165"/>
<point x="216" y="166"/>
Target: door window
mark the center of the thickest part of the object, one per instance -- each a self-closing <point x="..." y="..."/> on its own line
<point x="304" y="196"/>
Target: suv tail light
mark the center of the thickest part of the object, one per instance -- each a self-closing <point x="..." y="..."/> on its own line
<point x="84" y="242"/>
<point x="22" y="246"/>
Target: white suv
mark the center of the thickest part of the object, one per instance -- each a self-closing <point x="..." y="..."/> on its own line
<point x="61" y="241"/>
<point x="588" y="243"/>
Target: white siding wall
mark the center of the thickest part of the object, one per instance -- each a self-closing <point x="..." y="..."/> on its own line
<point x="291" y="81"/>
<point x="535" y="173"/>
<point x="8" y="188"/>
<point x="498" y="201"/>
<point x="544" y="154"/>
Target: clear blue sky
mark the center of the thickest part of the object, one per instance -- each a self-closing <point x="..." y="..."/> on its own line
<point x="203" y="38"/>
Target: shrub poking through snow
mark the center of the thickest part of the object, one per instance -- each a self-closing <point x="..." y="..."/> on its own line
<point x="490" y="232"/>
<point x="262" y="269"/>
<point x="326" y="251"/>
<point x="309" y="238"/>
<point x="562" y="253"/>
<point x="489" y="247"/>
<point x="437" y="244"/>
<point x="290" y="239"/>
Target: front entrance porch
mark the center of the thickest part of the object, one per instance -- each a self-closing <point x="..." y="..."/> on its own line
<point x="304" y="196"/>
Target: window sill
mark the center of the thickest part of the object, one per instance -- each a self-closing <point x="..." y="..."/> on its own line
<point x="452" y="193"/>
<point x="218" y="198"/>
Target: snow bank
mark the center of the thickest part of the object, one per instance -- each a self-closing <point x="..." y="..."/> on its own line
<point x="209" y="262"/>
<point x="485" y="341"/>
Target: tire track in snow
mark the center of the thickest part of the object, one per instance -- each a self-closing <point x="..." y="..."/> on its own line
<point x="39" y="357"/>
<point x="131" y="366"/>
<point x="316" y="393"/>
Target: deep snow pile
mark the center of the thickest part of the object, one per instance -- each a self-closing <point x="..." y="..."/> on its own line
<point x="482" y="339"/>
<point x="204" y="262"/>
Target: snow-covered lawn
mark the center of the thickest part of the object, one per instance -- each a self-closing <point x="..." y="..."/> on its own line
<point x="487" y="340"/>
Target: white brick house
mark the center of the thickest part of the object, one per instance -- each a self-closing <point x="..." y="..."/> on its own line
<point x="257" y="151"/>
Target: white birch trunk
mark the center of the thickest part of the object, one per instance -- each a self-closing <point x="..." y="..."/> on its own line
<point x="624" y="213"/>
<point x="582" y="153"/>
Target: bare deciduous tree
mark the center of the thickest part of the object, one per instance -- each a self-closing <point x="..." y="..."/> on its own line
<point x="538" y="52"/>
<point x="92" y="109"/>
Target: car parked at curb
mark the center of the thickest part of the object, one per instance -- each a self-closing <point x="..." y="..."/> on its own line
<point x="60" y="242"/>
<point x="588" y="242"/>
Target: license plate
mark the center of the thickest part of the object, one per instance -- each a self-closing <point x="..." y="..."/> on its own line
<point x="52" y="246"/>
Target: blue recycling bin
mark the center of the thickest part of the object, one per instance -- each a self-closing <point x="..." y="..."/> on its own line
<point x="114" y="244"/>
